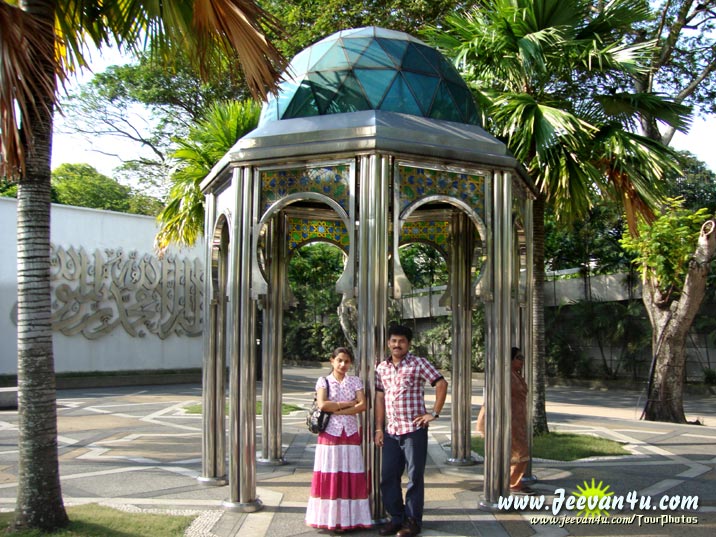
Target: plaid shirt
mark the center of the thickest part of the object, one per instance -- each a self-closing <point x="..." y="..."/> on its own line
<point x="403" y="386"/>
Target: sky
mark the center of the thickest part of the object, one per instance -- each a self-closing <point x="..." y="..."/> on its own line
<point x="78" y="149"/>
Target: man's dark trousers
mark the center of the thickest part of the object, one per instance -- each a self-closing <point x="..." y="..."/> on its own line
<point x="400" y="452"/>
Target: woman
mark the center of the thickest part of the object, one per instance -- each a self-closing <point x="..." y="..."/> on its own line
<point x="339" y="488"/>
<point x="520" y="453"/>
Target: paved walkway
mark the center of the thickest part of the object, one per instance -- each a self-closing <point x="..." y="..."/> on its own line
<point x="136" y="449"/>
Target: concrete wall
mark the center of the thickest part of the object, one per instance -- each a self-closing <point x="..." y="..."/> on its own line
<point x="116" y="306"/>
<point x="422" y="304"/>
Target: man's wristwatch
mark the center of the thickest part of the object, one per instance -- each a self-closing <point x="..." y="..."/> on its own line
<point x="435" y="415"/>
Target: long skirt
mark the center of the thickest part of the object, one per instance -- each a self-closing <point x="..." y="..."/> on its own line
<point x="339" y="488"/>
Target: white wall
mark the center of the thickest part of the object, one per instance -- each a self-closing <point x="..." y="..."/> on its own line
<point x="103" y="234"/>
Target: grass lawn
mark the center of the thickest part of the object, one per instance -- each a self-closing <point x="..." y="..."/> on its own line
<point x="564" y="446"/>
<point x="285" y="408"/>
<point x="94" y="520"/>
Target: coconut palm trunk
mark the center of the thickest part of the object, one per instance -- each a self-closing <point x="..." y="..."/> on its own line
<point x="39" y="497"/>
<point x="539" y="387"/>
<point x="212" y="31"/>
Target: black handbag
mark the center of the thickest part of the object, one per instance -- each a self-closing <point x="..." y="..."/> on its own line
<point x="317" y="419"/>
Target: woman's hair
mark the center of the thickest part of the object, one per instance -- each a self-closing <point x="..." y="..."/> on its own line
<point x="515" y="352"/>
<point x="342" y="350"/>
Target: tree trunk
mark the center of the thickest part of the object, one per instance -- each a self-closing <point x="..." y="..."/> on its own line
<point x="39" y="497"/>
<point x="539" y="389"/>
<point x="671" y="322"/>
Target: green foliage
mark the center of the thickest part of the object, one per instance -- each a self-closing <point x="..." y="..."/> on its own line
<point x="560" y="357"/>
<point x="94" y="520"/>
<point x="552" y="79"/>
<point x="307" y="21"/>
<point x="285" y="408"/>
<point x="311" y="327"/>
<point x="171" y="95"/>
<point x="616" y="329"/>
<point x="709" y="377"/>
<point x="696" y="185"/>
<point x="665" y="248"/>
<point x="82" y="185"/>
<point x="8" y="189"/>
<point x="591" y="243"/>
<point x="564" y="446"/>
<point x="423" y="265"/>
<point x="685" y="31"/>
<point x="182" y="220"/>
<point x="435" y="343"/>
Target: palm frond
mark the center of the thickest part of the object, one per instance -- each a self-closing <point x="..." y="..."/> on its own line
<point x="625" y="107"/>
<point x="182" y="219"/>
<point x="634" y="167"/>
<point x="26" y="84"/>
<point x="211" y="29"/>
<point x="534" y="129"/>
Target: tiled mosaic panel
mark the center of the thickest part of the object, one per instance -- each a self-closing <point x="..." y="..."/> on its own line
<point x="434" y="231"/>
<point x="303" y="230"/>
<point x="417" y="183"/>
<point x="330" y="181"/>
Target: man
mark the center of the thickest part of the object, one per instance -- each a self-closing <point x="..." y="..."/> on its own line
<point x="401" y="429"/>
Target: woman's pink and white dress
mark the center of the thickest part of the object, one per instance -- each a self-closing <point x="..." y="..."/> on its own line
<point x="339" y="488"/>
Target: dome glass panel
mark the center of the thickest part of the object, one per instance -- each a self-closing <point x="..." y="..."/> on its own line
<point x="394" y="49"/>
<point x="400" y="99"/>
<point x="375" y="84"/>
<point x="372" y="69"/>
<point x="355" y="47"/>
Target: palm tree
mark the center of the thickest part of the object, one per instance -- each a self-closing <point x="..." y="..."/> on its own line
<point x="42" y="41"/>
<point x="182" y="219"/>
<point x="552" y="78"/>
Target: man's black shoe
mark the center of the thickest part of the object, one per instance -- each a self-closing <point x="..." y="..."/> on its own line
<point x="410" y="529"/>
<point x="391" y="528"/>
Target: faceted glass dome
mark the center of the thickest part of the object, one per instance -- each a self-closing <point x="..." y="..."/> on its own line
<point x="371" y="69"/>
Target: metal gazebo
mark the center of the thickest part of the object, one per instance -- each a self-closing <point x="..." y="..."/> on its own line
<point x="373" y="142"/>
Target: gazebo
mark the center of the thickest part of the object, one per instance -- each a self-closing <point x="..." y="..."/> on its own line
<point x="373" y="142"/>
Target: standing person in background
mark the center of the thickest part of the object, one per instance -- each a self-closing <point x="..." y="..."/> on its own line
<point x="339" y="488"/>
<point x="401" y="429"/>
<point x="520" y="454"/>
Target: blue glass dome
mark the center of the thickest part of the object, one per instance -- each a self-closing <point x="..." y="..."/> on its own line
<point x="371" y="69"/>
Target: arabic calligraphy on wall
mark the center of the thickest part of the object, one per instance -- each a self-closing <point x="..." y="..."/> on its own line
<point x="94" y="294"/>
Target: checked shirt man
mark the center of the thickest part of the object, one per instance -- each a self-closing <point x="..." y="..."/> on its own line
<point x="402" y="420"/>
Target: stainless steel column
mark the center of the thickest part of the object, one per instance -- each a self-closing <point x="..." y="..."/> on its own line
<point x="372" y="293"/>
<point x="527" y="328"/>
<point x="271" y="344"/>
<point x="497" y="366"/>
<point x="463" y="233"/>
<point x="242" y="415"/>
<point x="213" y="466"/>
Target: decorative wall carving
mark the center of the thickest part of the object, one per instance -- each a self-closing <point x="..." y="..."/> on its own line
<point x="93" y="294"/>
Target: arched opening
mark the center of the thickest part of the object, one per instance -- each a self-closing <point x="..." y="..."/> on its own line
<point x="312" y="329"/>
<point x="456" y="231"/>
<point x="215" y="357"/>
<point x="301" y="251"/>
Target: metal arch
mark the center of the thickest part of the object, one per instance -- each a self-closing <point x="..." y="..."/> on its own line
<point x="215" y="351"/>
<point x="461" y="293"/>
<point x="459" y="204"/>
<point x="218" y="232"/>
<point x="312" y="241"/>
<point x="303" y="196"/>
<point x="259" y="284"/>
<point x="435" y="245"/>
<point x="471" y="213"/>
